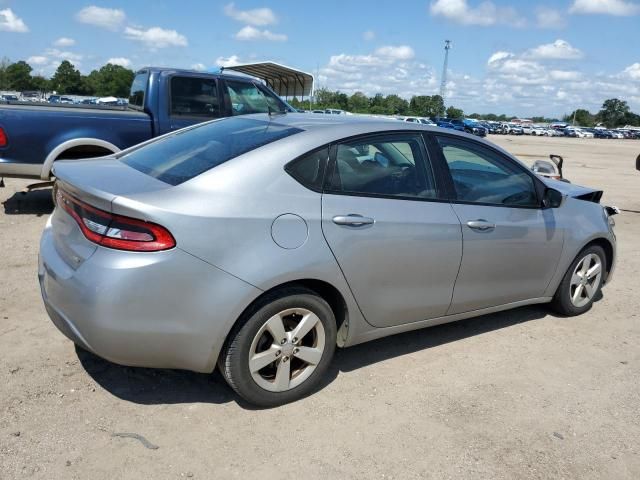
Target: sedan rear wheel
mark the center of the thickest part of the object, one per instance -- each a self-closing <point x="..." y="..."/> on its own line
<point x="581" y="283"/>
<point x="279" y="351"/>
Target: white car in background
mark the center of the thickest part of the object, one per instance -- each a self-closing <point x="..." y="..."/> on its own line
<point x="615" y="134"/>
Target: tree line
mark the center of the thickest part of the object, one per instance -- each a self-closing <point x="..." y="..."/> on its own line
<point x="109" y="80"/>
<point x="614" y="112"/>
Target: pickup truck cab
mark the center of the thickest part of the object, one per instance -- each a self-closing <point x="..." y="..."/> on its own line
<point x="33" y="136"/>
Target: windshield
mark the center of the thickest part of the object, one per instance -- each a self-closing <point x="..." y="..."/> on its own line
<point x="188" y="153"/>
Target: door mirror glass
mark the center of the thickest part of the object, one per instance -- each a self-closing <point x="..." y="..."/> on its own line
<point x="638" y="163"/>
<point x="552" y="198"/>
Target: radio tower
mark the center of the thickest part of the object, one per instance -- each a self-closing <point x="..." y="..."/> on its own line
<point x="443" y="85"/>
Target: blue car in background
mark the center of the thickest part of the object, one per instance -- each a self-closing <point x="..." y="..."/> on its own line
<point x="467" y="125"/>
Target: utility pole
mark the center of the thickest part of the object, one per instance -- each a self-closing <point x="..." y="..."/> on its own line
<point x="443" y="85"/>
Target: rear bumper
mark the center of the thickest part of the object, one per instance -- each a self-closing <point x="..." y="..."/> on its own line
<point x="164" y="309"/>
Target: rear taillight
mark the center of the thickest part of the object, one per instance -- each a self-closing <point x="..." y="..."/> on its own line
<point x="114" y="231"/>
<point x="3" y="138"/>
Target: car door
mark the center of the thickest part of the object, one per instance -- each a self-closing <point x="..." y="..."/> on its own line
<point x="192" y="99"/>
<point x="396" y="240"/>
<point x="511" y="245"/>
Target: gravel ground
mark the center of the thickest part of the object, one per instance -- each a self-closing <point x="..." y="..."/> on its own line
<point x="519" y="394"/>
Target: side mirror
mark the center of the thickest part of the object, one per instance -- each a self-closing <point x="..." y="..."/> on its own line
<point x="552" y="198"/>
<point x="638" y="163"/>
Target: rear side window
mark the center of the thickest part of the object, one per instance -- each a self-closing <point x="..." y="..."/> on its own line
<point x="309" y="169"/>
<point x="194" y="97"/>
<point x="138" y="89"/>
<point x="188" y="153"/>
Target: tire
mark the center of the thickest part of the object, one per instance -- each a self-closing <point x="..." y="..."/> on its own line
<point x="568" y="300"/>
<point x="287" y="377"/>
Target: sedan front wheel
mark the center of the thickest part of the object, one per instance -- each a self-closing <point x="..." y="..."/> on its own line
<point x="581" y="283"/>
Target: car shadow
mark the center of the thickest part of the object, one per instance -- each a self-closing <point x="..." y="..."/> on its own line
<point x="36" y="202"/>
<point x="150" y="386"/>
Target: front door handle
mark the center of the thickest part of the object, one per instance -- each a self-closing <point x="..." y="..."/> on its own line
<point x="481" y="225"/>
<point x="353" y="220"/>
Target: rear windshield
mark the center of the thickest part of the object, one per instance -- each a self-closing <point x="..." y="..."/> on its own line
<point x="186" y="154"/>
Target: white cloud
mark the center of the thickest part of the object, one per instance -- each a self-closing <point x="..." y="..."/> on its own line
<point x="200" y="67"/>
<point x="252" y="33"/>
<point x="369" y="35"/>
<point x="64" y="42"/>
<point x="228" y="61"/>
<point x="10" y="22"/>
<point x="621" y="8"/>
<point x="485" y="14"/>
<point x="389" y="69"/>
<point x="63" y="55"/>
<point x="122" y="61"/>
<point x="402" y="52"/>
<point x="565" y="75"/>
<point x="37" y="60"/>
<point x="632" y="71"/>
<point x="257" y="16"/>
<point x="549" y="18"/>
<point x="558" y="50"/>
<point x="156" y="37"/>
<point x="109" y="18"/>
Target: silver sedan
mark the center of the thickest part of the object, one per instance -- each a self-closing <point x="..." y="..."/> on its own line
<point x="260" y="243"/>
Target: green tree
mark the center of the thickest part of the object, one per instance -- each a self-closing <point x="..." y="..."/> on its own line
<point x="453" y="112"/>
<point x="40" y="83"/>
<point x="582" y="117"/>
<point x="110" y="80"/>
<point x="358" y="103"/>
<point x="613" y="112"/>
<point x="18" y="76"/>
<point x="67" y="79"/>
<point x="396" y="105"/>
<point x="436" y="109"/>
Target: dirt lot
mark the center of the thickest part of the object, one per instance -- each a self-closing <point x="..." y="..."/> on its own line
<point x="520" y="394"/>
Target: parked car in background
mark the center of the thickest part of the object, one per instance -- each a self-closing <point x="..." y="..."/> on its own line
<point x="337" y="224"/>
<point x="514" y="129"/>
<point x="616" y="134"/>
<point x="600" y="133"/>
<point x="9" y="98"/>
<point x="162" y="100"/>
<point x="446" y="123"/>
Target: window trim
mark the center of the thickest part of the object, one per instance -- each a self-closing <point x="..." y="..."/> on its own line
<point x="441" y="194"/>
<point x="173" y="116"/>
<point x="538" y="186"/>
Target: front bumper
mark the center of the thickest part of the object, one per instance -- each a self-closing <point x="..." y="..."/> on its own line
<point x="163" y="309"/>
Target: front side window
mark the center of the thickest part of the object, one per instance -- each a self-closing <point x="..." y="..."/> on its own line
<point x="194" y="97"/>
<point x="247" y="98"/>
<point x="483" y="176"/>
<point x="386" y="166"/>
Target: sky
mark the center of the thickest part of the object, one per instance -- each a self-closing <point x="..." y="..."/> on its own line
<point x="544" y="57"/>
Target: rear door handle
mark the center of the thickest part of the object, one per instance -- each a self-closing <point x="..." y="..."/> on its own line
<point x="481" y="225"/>
<point x="353" y="220"/>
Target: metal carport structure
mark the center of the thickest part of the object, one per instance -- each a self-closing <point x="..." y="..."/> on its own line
<point x="287" y="82"/>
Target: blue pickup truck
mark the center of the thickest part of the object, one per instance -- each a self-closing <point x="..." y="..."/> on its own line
<point x="33" y="136"/>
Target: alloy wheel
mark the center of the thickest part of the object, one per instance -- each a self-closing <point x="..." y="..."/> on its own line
<point x="585" y="280"/>
<point x="286" y="349"/>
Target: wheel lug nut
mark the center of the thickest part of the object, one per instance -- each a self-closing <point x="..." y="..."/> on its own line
<point x="295" y="339"/>
<point x="285" y="359"/>
<point x="283" y="341"/>
<point x="278" y="353"/>
<point x="296" y="350"/>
